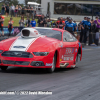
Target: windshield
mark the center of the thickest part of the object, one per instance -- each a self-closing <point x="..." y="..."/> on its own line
<point x="49" y="33"/>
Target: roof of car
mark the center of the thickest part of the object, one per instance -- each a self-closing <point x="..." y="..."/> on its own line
<point x="42" y="28"/>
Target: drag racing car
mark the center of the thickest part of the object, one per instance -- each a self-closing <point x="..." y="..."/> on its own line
<point x="48" y="48"/>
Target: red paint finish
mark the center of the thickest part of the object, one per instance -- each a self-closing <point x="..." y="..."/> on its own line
<point x="66" y="51"/>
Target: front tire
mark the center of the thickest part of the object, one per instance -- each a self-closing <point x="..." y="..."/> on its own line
<point x="52" y="69"/>
<point x="4" y="68"/>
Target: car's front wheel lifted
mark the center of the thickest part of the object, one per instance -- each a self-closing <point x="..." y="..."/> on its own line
<point x="4" y="68"/>
<point x="52" y="69"/>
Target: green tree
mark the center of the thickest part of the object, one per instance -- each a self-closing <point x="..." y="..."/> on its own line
<point x="15" y="2"/>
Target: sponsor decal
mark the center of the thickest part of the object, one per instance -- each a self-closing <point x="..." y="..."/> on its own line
<point x="62" y="56"/>
<point x="48" y="64"/>
<point x="68" y="58"/>
<point x="68" y="51"/>
<point x="76" y="50"/>
<point x="73" y="50"/>
<point x="79" y="44"/>
<point x="36" y="32"/>
<point x="61" y="44"/>
<point x="60" y="59"/>
<point x="71" y="58"/>
<point x="69" y="54"/>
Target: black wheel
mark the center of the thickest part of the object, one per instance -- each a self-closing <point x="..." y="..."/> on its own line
<point x="52" y="69"/>
<point x="77" y="60"/>
<point x="4" y="68"/>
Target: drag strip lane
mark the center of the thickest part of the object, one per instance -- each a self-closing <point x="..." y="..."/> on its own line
<point x="81" y="83"/>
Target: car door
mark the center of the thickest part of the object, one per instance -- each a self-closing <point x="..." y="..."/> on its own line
<point x="69" y="51"/>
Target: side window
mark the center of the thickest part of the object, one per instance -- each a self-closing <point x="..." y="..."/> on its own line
<point x="67" y="37"/>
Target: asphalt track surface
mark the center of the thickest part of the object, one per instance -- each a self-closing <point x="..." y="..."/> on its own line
<point x="81" y="83"/>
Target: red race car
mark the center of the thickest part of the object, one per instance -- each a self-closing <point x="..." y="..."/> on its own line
<point x="39" y="47"/>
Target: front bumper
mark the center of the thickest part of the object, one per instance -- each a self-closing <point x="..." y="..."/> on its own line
<point x="35" y="62"/>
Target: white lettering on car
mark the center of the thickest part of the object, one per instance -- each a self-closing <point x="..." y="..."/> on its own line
<point x="76" y="50"/>
<point x="60" y="44"/>
<point x="68" y="51"/>
<point x="68" y="58"/>
<point x="48" y="64"/>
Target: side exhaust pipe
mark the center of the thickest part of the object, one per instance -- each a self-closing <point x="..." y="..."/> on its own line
<point x="64" y="65"/>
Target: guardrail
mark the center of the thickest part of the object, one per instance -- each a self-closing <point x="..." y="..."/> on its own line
<point x="14" y="32"/>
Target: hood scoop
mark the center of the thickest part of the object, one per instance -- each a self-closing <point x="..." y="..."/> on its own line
<point x="29" y="32"/>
